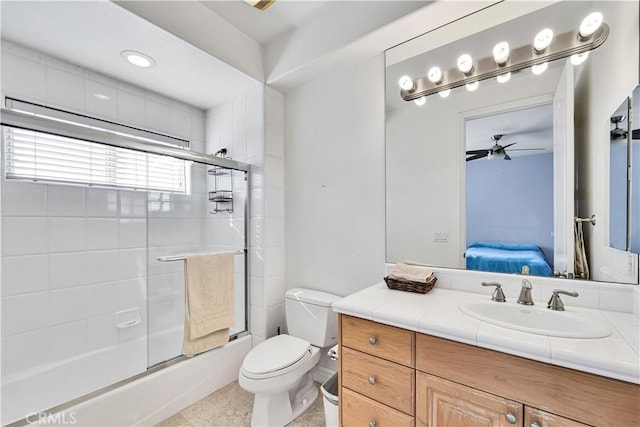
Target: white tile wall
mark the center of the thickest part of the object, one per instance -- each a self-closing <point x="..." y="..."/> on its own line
<point x="74" y="256"/>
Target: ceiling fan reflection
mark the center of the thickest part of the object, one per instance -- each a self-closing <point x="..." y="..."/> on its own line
<point x="497" y="151"/>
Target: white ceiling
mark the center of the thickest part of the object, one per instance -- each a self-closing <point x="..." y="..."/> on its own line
<point x="93" y="33"/>
<point x="528" y="128"/>
<point x="264" y="26"/>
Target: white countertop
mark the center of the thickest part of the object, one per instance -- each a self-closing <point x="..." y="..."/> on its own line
<point x="436" y="313"/>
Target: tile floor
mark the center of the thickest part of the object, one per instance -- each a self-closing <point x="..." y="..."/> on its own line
<point x="231" y="407"/>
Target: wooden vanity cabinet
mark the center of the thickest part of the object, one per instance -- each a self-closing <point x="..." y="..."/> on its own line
<point x="425" y="381"/>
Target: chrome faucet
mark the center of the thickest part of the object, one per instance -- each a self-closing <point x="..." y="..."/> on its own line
<point x="555" y="303"/>
<point x="525" y="293"/>
<point x="497" y="295"/>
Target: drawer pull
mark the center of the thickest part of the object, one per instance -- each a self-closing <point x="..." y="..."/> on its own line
<point x="372" y="380"/>
<point x="511" y="418"/>
<point x="373" y="340"/>
<point x="372" y="424"/>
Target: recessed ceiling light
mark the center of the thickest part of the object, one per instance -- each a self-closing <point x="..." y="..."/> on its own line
<point x="138" y="59"/>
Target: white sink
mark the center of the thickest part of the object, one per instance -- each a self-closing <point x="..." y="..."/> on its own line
<point x="539" y="320"/>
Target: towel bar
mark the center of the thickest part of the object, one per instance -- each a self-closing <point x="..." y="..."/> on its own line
<point x="592" y="220"/>
<point x="182" y="257"/>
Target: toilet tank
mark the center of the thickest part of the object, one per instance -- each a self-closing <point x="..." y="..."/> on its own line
<point x="309" y="316"/>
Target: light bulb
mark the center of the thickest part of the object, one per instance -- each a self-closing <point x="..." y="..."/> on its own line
<point x="472" y="86"/>
<point x="590" y="24"/>
<point x="420" y="101"/>
<point x="579" y="58"/>
<point x="503" y="78"/>
<point x="542" y="40"/>
<point x="444" y="93"/>
<point x="435" y="75"/>
<point x="501" y="53"/>
<point x="465" y="63"/>
<point x="406" y="83"/>
<point x="540" y="68"/>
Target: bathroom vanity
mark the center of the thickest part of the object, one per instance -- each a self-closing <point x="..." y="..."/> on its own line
<point x="417" y="360"/>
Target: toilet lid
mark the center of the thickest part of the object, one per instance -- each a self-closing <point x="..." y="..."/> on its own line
<point x="275" y="354"/>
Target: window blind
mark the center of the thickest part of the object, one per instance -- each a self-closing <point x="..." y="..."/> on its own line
<point x="42" y="156"/>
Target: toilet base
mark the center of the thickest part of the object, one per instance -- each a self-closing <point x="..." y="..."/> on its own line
<point x="278" y="410"/>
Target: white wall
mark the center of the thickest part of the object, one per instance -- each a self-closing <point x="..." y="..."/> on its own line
<point x="610" y="76"/>
<point x="251" y="127"/>
<point x="334" y="145"/>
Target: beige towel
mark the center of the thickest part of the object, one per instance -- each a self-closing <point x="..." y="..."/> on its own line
<point x="581" y="265"/>
<point x="209" y="301"/>
<point x="413" y="273"/>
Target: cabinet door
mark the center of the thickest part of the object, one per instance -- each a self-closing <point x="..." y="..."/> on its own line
<point x="444" y="403"/>
<point x="537" y="418"/>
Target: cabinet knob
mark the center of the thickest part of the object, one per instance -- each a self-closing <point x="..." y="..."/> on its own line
<point x="535" y="424"/>
<point x="373" y="340"/>
<point x="511" y="418"/>
<point x="372" y="380"/>
<point x="372" y="424"/>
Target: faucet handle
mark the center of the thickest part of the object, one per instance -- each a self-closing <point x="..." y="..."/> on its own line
<point x="555" y="303"/>
<point x="497" y="295"/>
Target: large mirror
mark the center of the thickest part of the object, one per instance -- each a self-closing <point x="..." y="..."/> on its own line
<point x="455" y="201"/>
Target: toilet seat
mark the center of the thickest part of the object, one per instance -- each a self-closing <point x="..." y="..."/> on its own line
<point x="276" y="356"/>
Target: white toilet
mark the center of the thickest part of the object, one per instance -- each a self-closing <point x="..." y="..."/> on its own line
<point x="278" y="370"/>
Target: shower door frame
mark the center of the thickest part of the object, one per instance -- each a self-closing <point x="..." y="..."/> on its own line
<point x="42" y="119"/>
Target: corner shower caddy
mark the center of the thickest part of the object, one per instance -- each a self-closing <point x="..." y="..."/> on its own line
<point x="222" y="194"/>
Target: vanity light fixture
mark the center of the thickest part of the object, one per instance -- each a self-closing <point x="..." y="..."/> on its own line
<point x="501" y="53"/>
<point x="444" y="93"/>
<point x="579" y="58"/>
<point x="542" y="40"/>
<point x="138" y="59"/>
<point x="576" y="44"/>
<point x="540" y="68"/>
<point x="435" y="75"/>
<point x="465" y="64"/>
<point x="420" y="101"/>
<point x="472" y="86"/>
<point x="503" y="78"/>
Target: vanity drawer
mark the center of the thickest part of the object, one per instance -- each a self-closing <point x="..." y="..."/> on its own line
<point x="361" y="411"/>
<point x="379" y="379"/>
<point x="384" y="341"/>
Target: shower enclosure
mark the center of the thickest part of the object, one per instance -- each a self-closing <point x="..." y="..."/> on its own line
<point x="96" y="220"/>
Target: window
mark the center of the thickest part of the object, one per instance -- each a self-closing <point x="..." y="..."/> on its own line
<point x="47" y="157"/>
